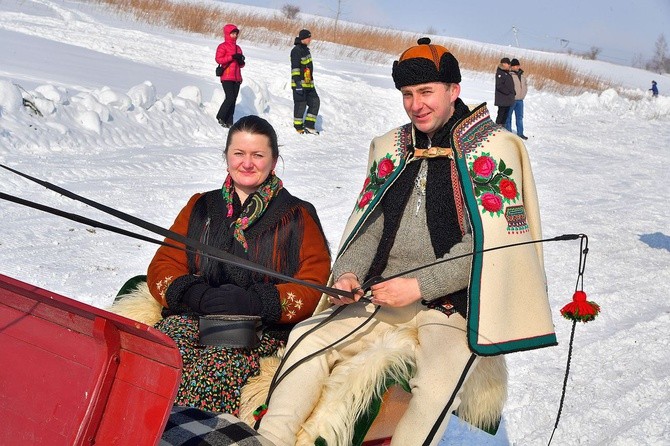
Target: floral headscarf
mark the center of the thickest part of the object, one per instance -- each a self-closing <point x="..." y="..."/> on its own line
<point x="257" y="204"/>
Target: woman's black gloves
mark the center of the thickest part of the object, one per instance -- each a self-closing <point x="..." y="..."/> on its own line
<point x="238" y="57"/>
<point x="225" y="299"/>
<point x="189" y="293"/>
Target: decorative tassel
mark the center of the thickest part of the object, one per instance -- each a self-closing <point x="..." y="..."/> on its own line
<point x="580" y="309"/>
<point x="260" y="411"/>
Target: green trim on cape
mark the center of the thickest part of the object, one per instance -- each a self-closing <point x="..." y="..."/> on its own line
<point x="467" y="137"/>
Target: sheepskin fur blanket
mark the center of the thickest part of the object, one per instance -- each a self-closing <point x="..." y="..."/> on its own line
<point x="138" y="305"/>
<point x="353" y="384"/>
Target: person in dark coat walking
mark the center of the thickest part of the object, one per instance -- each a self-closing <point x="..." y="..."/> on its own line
<point x="305" y="97"/>
<point x="229" y="56"/>
<point x="504" y="98"/>
<point x="654" y="89"/>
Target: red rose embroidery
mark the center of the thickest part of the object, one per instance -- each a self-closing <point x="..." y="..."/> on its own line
<point x="493" y="183"/>
<point x="365" y="199"/>
<point x="508" y="189"/>
<point x="385" y="167"/>
<point x="491" y="202"/>
<point x="484" y="166"/>
<point x="379" y="172"/>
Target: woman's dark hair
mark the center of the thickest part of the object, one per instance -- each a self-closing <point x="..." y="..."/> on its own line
<point x="257" y="126"/>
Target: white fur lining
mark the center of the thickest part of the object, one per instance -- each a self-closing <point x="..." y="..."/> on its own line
<point x="138" y="305"/>
<point x="353" y="383"/>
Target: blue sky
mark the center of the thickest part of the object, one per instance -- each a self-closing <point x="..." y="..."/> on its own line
<point x="622" y="29"/>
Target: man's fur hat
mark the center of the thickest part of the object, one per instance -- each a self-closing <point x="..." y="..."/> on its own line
<point x="424" y="63"/>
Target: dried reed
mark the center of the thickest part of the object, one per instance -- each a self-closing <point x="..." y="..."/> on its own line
<point x="372" y="44"/>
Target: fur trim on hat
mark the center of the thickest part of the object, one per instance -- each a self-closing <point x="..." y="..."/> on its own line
<point x="425" y="63"/>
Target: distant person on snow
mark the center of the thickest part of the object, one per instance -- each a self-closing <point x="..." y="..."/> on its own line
<point x="504" y="95"/>
<point x="305" y="97"/>
<point x="654" y="89"/>
<point x="229" y="56"/>
<point x="520" y="89"/>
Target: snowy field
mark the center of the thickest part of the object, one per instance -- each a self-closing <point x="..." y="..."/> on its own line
<point x="128" y="120"/>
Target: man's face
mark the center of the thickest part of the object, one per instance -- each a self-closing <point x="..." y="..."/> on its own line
<point x="430" y="105"/>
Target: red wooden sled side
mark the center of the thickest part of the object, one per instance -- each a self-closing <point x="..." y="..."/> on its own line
<point x="74" y="374"/>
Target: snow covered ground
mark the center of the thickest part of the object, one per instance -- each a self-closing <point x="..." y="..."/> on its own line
<point x="128" y="120"/>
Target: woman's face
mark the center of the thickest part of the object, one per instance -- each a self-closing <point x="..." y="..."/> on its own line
<point x="250" y="161"/>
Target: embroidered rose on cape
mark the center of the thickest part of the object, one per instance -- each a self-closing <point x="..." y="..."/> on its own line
<point x="484" y="166"/>
<point x="384" y="168"/>
<point x="365" y="199"/>
<point x="379" y="172"/>
<point x="491" y="202"/>
<point x="494" y="186"/>
<point x="508" y="189"/>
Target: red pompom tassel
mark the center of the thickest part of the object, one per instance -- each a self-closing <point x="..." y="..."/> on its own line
<point x="580" y="309"/>
<point x="258" y="413"/>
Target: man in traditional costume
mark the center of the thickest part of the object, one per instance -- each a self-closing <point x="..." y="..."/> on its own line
<point x="450" y="184"/>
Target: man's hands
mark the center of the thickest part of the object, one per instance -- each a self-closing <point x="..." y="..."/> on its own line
<point x="347" y="282"/>
<point x="398" y="292"/>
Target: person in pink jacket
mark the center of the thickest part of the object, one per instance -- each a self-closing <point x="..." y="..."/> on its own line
<point x="229" y="56"/>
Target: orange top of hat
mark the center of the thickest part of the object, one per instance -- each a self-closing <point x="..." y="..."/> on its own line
<point x="425" y="50"/>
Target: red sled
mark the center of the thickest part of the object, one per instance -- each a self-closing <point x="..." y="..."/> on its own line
<point x="73" y="374"/>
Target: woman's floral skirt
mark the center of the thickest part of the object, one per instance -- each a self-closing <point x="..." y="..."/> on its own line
<point x="213" y="377"/>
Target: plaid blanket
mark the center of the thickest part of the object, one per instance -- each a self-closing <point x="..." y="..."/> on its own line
<point x="194" y="427"/>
